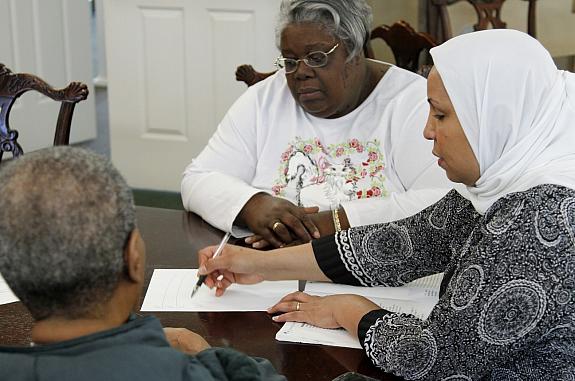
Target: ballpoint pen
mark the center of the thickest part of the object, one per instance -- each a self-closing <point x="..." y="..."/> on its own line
<point x="202" y="278"/>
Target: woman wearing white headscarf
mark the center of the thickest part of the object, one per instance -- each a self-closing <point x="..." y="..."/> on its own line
<point x="502" y="118"/>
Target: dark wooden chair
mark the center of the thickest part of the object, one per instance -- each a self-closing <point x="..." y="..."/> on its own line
<point x="488" y="13"/>
<point x="13" y="85"/>
<point x="249" y="75"/>
<point x="406" y="44"/>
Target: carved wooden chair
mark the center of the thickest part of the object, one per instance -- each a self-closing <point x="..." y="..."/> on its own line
<point x="249" y="75"/>
<point x="406" y="44"/>
<point x="13" y="85"/>
<point x="488" y="13"/>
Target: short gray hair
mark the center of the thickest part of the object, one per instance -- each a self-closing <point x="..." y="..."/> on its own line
<point x="65" y="217"/>
<point x="347" y="20"/>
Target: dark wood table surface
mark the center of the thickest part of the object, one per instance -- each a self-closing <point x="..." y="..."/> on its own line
<point x="172" y="240"/>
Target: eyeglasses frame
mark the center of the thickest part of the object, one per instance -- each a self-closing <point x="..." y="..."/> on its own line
<point x="304" y="60"/>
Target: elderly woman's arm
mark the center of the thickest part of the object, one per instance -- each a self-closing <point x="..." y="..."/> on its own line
<point x="217" y="184"/>
<point x="396" y="206"/>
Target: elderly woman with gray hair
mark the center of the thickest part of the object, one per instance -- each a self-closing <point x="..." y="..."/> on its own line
<point x="331" y="130"/>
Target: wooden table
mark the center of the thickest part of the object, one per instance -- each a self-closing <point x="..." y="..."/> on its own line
<point x="172" y="240"/>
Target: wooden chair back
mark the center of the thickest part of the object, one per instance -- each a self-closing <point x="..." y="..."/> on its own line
<point x="248" y="75"/>
<point x="13" y="85"/>
<point x="488" y="14"/>
<point x="407" y="45"/>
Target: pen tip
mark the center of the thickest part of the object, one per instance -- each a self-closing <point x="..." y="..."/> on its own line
<point x="194" y="291"/>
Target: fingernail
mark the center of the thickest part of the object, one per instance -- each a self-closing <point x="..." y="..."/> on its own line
<point x="220" y="277"/>
<point x="275" y="318"/>
<point x="202" y="269"/>
<point x="248" y="240"/>
<point x="257" y="245"/>
<point x="316" y="234"/>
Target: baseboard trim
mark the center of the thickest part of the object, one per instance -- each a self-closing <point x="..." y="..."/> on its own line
<point x="158" y="199"/>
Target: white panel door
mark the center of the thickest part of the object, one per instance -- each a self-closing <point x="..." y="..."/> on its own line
<point x="171" y="66"/>
<point x="49" y="38"/>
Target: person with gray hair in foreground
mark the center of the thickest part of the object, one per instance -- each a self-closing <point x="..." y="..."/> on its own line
<point x="71" y="251"/>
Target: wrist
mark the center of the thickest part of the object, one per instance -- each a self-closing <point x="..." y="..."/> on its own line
<point x="344" y="222"/>
<point x="323" y="221"/>
<point x="266" y="264"/>
<point x="291" y="263"/>
<point x="351" y="312"/>
<point x="255" y="262"/>
<point x="244" y="215"/>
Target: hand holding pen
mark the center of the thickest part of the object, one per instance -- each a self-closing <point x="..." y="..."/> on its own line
<point x="202" y="278"/>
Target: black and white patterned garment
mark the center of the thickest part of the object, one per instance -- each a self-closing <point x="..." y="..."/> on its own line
<point x="507" y="304"/>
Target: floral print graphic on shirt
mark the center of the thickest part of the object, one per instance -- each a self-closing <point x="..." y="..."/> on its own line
<point x="313" y="174"/>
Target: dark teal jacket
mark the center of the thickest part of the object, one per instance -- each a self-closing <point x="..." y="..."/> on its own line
<point x="137" y="350"/>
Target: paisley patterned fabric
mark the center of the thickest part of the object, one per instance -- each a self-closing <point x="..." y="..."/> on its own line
<point x="507" y="308"/>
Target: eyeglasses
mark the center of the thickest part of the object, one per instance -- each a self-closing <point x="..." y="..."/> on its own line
<point x="314" y="59"/>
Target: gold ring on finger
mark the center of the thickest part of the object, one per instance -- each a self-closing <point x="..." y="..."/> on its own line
<point x="297" y="306"/>
<point x="275" y="225"/>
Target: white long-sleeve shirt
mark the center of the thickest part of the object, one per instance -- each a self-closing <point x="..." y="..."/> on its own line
<point x="373" y="161"/>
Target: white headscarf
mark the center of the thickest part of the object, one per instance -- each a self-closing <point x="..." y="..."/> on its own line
<point x="516" y="109"/>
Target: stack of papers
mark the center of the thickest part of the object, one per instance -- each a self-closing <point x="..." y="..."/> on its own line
<point x="6" y="295"/>
<point x="416" y="298"/>
<point x="171" y="289"/>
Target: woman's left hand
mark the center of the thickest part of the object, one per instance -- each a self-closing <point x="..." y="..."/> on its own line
<point x="332" y="311"/>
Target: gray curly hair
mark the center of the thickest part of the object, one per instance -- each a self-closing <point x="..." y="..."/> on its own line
<point x="65" y="217"/>
<point x="347" y="20"/>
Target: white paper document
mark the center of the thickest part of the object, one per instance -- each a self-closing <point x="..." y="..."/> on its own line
<point x="416" y="298"/>
<point x="419" y="289"/>
<point x="6" y="295"/>
<point x="309" y="334"/>
<point x="170" y="290"/>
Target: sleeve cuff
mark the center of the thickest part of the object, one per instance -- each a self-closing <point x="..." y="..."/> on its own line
<point x="329" y="261"/>
<point x="367" y="321"/>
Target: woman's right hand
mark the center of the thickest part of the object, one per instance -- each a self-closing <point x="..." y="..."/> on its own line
<point x="278" y="221"/>
<point x="235" y="264"/>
